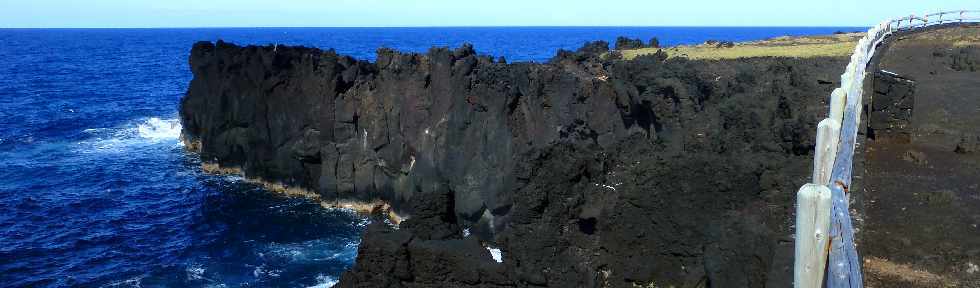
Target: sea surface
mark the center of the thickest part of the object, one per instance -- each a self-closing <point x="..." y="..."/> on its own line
<point x="97" y="191"/>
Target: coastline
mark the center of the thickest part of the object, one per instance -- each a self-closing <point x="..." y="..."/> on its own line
<point x="521" y="156"/>
<point x="365" y="208"/>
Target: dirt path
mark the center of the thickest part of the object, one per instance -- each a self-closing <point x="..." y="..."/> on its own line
<point x="922" y="181"/>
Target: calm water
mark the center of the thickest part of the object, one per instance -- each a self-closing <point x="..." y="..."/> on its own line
<point x="96" y="191"/>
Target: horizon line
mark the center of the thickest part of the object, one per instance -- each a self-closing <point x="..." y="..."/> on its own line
<point x="404" y="27"/>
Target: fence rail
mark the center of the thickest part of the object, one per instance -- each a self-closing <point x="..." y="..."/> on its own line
<point x="836" y="139"/>
<point x="913" y="21"/>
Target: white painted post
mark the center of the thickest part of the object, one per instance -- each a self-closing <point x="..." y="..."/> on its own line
<point x="859" y="107"/>
<point x="849" y="75"/>
<point x="828" y="137"/>
<point x="837" y="100"/>
<point x="812" y="230"/>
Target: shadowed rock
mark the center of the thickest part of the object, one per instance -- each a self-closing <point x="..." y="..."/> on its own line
<point x="586" y="171"/>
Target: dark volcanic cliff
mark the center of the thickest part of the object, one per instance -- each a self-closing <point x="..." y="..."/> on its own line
<point x="585" y="172"/>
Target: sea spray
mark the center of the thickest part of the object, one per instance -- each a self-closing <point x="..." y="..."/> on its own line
<point x="159" y="129"/>
<point x="139" y="133"/>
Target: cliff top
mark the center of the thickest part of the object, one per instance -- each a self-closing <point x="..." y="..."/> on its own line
<point x="837" y="45"/>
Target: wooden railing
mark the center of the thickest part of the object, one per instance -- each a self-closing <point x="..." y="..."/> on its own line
<point x="913" y="21"/>
<point x="825" y="250"/>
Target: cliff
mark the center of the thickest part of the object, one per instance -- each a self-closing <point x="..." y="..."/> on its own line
<point x="587" y="171"/>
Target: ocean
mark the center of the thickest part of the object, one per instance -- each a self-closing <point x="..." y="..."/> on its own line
<point x="97" y="191"/>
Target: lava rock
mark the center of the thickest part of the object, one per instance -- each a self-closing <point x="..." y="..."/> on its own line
<point x="628" y="43"/>
<point x="584" y="171"/>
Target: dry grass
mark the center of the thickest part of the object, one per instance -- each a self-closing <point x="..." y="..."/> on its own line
<point x="960" y="36"/>
<point x="883" y="273"/>
<point x="966" y="43"/>
<point x="841" y="45"/>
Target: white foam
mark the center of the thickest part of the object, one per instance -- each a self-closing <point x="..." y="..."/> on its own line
<point x="262" y="272"/>
<point x="234" y="178"/>
<point x="135" y="282"/>
<point x="324" y="281"/>
<point x="496" y="254"/>
<point x="158" y="129"/>
<point x="310" y="251"/>
<point x="195" y="272"/>
<point x="144" y="132"/>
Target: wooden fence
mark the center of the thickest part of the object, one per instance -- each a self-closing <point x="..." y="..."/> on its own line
<point x="825" y="250"/>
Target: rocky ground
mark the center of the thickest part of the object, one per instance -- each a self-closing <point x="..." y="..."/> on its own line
<point x="585" y="171"/>
<point x="594" y="171"/>
<point x="840" y="44"/>
<point x="923" y="166"/>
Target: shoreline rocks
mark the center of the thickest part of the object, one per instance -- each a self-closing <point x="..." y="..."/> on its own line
<point x="586" y="171"/>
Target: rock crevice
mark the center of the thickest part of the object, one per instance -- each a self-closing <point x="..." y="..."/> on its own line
<point x="586" y="171"/>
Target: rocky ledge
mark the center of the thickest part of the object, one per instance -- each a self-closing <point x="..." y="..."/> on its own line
<point x="586" y="171"/>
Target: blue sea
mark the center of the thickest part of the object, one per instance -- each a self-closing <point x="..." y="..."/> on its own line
<point x="97" y="191"/>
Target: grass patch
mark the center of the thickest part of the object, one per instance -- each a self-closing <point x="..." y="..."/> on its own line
<point x="960" y="36"/>
<point x="797" y="47"/>
<point x="965" y="43"/>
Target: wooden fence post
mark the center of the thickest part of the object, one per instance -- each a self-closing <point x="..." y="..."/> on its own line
<point x="828" y="136"/>
<point x="812" y="234"/>
<point x="826" y="253"/>
<point x="837" y="100"/>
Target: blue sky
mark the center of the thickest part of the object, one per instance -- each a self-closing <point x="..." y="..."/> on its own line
<point x="389" y="13"/>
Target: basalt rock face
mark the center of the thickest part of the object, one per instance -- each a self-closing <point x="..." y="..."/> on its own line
<point x="261" y="108"/>
<point x="585" y="172"/>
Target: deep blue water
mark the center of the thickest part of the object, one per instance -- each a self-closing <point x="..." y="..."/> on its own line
<point x="96" y="190"/>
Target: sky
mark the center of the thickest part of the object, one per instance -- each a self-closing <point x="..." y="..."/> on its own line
<point x="407" y="13"/>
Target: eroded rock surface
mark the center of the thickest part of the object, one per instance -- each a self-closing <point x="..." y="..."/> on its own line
<point x="585" y="171"/>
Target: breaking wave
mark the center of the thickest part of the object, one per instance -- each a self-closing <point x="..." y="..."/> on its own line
<point x="149" y="131"/>
<point x="324" y="281"/>
<point x="310" y="251"/>
<point x="157" y="129"/>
